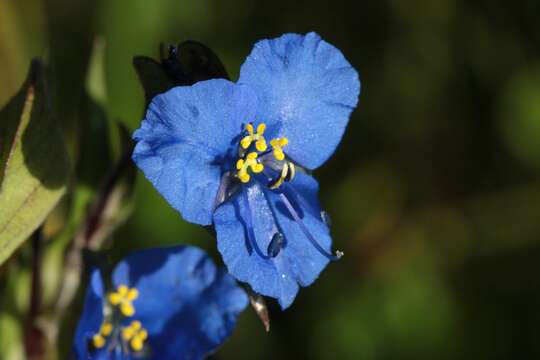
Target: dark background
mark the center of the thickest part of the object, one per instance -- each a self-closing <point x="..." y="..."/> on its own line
<point x="434" y="191"/>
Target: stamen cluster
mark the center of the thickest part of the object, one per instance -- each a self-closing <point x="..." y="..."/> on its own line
<point x="123" y="297"/>
<point x="254" y="160"/>
<point x="112" y="333"/>
<point x="135" y="334"/>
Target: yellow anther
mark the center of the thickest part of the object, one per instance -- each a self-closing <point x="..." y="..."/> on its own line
<point x="250" y="162"/>
<point x="127" y="333"/>
<point x="123" y="297"/>
<point x="143" y="334"/>
<point x="132" y="294"/>
<point x="257" y="168"/>
<point x="136" y="325"/>
<point x="135" y="334"/>
<point x="122" y="290"/>
<point x="98" y="341"/>
<point x="245" y="142"/>
<point x="137" y="343"/>
<point x="127" y="309"/>
<point x="279" y="154"/>
<point x="260" y="142"/>
<point x="106" y="329"/>
<point x="260" y="145"/>
<point x="277" y="145"/>
<point x="115" y="298"/>
<point x="239" y="164"/>
<point x="244" y="177"/>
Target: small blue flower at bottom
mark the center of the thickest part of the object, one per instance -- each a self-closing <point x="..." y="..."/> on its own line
<point x="239" y="156"/>
<point x="166" y="303"/>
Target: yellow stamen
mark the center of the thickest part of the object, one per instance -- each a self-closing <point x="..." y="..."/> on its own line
<point x="115" y="298"/>
<point x="136" y="325"/>
<point x="239" y="164"/>
<point x="122" y="290"/>
<point x="132" y="294"/>
<point x="260" y="142"/>
<point x="260" y="145"/>
<point x="277" y="146"/>
<point x="137" y="343"/>
<point x="143" y="334"/>
<point x="106" y="329"/>
<point x="127" y="309"/>
<point x="135" y="334"/>
<point x="246" y="141"/>
<point x="244" y="177"/>
<point x="250" y="162"/>
<point x="98" y="341"/>
<point x="257" y="168"/>
<point x="127" y="333"/>
<point x="123" y="297"/>
<point x="278" y="154"/>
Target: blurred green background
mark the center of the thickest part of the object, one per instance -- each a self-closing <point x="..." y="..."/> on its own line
<point x="434" y="192"/>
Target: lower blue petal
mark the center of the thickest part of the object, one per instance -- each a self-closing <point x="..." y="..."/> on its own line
<point x="298" y="263"/>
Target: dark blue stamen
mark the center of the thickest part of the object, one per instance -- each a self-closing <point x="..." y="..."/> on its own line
<point x="305" y="230"/>
<point x="276" y="244"/>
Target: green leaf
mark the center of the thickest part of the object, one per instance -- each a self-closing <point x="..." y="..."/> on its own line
<point x="11" y="341"/>
<point x="33" y="162"/>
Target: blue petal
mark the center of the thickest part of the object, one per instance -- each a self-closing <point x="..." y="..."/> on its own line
<point x="188" y="306"/>
<point x="185" y="138"/>
<point x="92" y="316"/>
<point x="298" y="263"/>
<point x="307" y="89"/>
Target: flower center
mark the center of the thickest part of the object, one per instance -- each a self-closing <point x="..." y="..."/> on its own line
<point x="113" y="334"/>
<point x="254" y="157"/>
<point x="272" y="168"/>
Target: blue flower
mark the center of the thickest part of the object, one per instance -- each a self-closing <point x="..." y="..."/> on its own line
<point x="165" y="303"/>
<point x="239" y="156"/>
